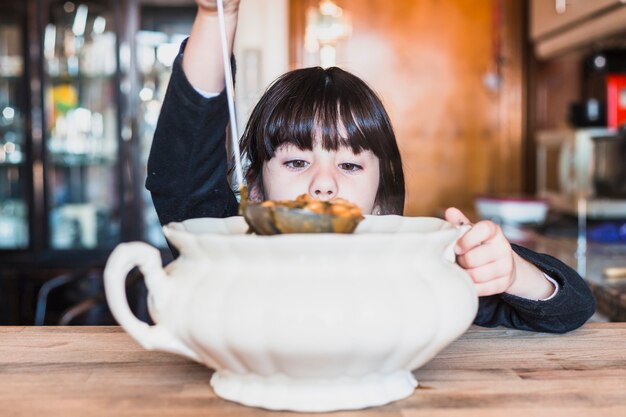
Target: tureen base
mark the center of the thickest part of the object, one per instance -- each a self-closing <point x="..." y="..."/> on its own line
<point x="279" y="392"/>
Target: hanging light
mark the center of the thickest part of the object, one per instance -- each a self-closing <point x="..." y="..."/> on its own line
<point x="327" y="24"/>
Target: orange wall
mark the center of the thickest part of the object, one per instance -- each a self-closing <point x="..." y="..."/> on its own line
<point x="427" y="60"/>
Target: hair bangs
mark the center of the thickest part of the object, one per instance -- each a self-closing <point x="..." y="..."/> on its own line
<point x="326" y="110"/>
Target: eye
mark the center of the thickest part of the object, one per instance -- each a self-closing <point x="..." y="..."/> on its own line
<point x="296" y="164"/>
<point x="349" y="167"/>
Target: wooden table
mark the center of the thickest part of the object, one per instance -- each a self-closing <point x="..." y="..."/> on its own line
<point x="97" y="371"/>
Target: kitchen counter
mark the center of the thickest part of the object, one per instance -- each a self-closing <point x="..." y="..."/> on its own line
<point x="610" y="295"/>
<point x="97" y="371"/>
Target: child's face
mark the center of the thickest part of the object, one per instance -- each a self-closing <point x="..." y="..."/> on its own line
<point x="323" y="175"/>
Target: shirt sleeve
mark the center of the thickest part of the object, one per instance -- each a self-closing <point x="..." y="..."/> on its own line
<point x="568" y="309"/>
<point x="188" y="165"/>
<point x="556" y="287"/>
<point x="205" y="94"/>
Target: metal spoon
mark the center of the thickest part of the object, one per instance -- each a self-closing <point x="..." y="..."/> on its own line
<point x="274" y="219"/>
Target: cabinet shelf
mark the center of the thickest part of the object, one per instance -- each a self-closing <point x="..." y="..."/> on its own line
<point x="81" y="77"/>
<point x="11" y="164"/>
<point x="77" y="160"/>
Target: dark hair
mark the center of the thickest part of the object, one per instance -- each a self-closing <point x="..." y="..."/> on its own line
<point x="306" y="102"/>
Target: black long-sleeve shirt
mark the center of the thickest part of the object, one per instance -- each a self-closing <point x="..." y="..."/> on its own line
<point x="187" y="176"/>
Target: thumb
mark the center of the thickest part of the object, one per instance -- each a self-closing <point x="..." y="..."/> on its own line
<point x="456" y="216"/>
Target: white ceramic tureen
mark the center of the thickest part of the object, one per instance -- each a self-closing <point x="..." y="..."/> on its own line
<point x="313" y="322"/>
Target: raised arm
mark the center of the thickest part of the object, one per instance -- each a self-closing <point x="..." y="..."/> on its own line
<point x="202" y="61"/>
<point x="187" y="166"/>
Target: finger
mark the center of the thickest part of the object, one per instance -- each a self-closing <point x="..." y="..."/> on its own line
<point x="492" y="287"/>
<point x="480" y="233"/>
<point x="501" y="268"/>
<point x="456" y="216"/>
<point x="211" y="5"/>
<point x="483" y="255"/>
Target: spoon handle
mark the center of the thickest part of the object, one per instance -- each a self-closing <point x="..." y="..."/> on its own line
<point x="230" y="93"/>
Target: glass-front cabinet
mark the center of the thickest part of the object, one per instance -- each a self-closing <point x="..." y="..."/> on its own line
<point x="81" y="113"/>
<point x="157" y="41"/>
<point x="66" y="156"/>
<point x="81" y="87"/>
<point x="14" y="211"/>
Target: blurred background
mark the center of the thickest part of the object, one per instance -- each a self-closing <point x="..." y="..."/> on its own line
<point x="508" y="109"/>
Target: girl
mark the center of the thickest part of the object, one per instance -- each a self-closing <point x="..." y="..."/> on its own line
<point x="326" y="133"/>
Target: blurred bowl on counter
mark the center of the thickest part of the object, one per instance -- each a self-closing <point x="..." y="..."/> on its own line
<point x="512" y="210"/>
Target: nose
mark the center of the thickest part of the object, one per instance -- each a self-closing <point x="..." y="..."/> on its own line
<point x="323" y="185"/>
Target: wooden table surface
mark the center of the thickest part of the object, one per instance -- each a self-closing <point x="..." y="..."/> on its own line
<point x="97" y="371"/>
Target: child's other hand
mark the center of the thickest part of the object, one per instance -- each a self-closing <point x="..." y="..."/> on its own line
<point x="210" y="6"/>
<point x="486" y="254"/>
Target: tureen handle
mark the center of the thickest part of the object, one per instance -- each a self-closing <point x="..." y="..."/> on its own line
<point x="124" y="258"/>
